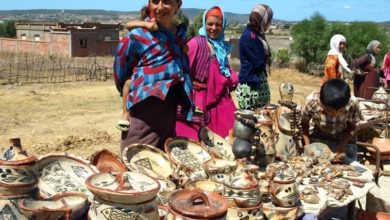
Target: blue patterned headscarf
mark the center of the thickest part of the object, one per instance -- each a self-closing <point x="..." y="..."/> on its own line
<point x="220" y="46"/>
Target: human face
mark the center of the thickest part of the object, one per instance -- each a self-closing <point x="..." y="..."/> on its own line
<point x="377" y="49"/>
<point x="341" y="46"/>
<point x="214" y="26"/>
<point x="164" y="11"/>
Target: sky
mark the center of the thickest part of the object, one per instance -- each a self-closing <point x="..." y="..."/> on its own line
<point x="290" y="10"/>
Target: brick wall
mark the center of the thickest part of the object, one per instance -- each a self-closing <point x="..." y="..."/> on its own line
<point x="94" y="45"/>
<point x="61" y="44"/>
<point x="24" y="46"/>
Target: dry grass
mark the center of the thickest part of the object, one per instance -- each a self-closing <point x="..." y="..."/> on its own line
<point x="80" y="117"/>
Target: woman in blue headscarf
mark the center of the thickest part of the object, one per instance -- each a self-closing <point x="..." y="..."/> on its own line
<point x="213" y="79"/>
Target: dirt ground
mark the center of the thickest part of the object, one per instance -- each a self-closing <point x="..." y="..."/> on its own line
<point x="80" y="117"/>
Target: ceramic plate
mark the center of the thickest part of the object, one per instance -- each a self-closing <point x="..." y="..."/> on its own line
<point x="148" y="160"/>
<point x="124" y="188"/>
<point x="106" y="161"/>
<point x="187" y="153"/>
<point x="63" y="173"/>
<point x="215" y="144"/>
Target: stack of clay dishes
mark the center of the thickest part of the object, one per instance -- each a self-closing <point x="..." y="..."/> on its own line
<point x="188" y="155"/>
<point x="61" y="173"/>
<point x="215" y="144"/>
<point x="106" y="161"/>
<point x="122" y="195"/>
<point x="62" y="206"/>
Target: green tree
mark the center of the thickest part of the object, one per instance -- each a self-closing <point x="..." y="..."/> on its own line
<point x="283" y="57"/>
<point x="195" y="25"/>
<point x="8" y="29"/>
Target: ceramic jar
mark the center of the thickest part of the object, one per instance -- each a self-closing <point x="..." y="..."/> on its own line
<point x="196" y="204"/>
<point x="18" y="172"/>
<point x="284" y="190"/>
<point x="206" y="185"/>
<point x="252" y="213"/>
<point x="267" y="152"/>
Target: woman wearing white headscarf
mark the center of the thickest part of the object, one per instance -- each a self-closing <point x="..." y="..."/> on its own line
<point x="335" y="58"/>
<point x="366" y="77"/>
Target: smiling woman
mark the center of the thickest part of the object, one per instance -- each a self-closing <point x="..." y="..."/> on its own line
<point x="159" y="73"/>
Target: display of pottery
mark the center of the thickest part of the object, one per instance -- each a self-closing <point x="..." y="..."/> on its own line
<point x="252" y="213"/>
<point x="106" y="161"/>
<point x="9" y="209"/>
<point x="206" y="185"/>
<point x="63" y="173"/>
<point x="217" y="168"/>
<point x="382" y="96"/>
<point x="318" y="150"/>
<point x="215" y="144"/>
<point x="284" y="189"/>
<point x="124" y="188"/>
<point x="103" y="210"/>
<point x="61" y="206"/>
<point x="18" y="172"/>
<point x="149" y="160"/>
<point x="186" y="153"/>
<point x="167" y="187"/>
<point x="196" y="204"/>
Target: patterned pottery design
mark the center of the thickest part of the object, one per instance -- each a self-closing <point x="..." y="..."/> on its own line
<point x="215" y="144"/>
<point x="149" y="160"/>
<point x="206" y="185"/>
<point x="252" y="213"/>
<point x="125" y="188"/>
<point x="9" y="209"/>
<point x="106" y="161"/>
<point x="187" y="153"/>
<point x="284" y="193"/>
<point x="243" y="198"/>
<point x="61" y="206"/>
<point x="166" y="189"/>
<point x="63" y="173"/>
<point x="318" y="150"/>
<point x="284" y="141"/>
<point x="103" y="210"/>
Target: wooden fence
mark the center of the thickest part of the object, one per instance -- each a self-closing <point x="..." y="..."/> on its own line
<point x="46" y="69"/>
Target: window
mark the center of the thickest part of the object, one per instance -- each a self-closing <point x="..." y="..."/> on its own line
<point x="23" y="36"/>
<point x="37" y="37"/>
<point x="107" y="38"/>
<point x="83" y="43"/>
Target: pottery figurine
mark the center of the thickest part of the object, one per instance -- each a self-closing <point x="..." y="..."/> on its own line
<point x="196" y="204"/>
<point x="18" y="172"/>
<point x="60" y="206"/>
<point x="215" y="144"/>
<point x="124" y="188"/>
<point x="148" y="160"/>
<point x="63" y="173"/>
<point x="106" y="161"/>
<point x="251" y="213"/>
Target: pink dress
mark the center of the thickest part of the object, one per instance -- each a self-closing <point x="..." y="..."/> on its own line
<point x="210" y="94"/>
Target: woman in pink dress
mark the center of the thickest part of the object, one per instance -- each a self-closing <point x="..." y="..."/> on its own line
<point x="213" y="79"/>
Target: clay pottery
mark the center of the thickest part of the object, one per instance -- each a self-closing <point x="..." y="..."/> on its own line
<point x="244" y="125"/>
<point x="242" y="197"/>
<point x="215" y="144"/>
<point x="186" y="153"/>
<point x="218" y="166"/>
<point x="284" y="191"/>
<point x="167" y="187"/>
<point x="382" y="96"/>
<point x="384" y="146"/>
<point x="61" y="206"/>
<point x="320" y="151"/>
<point x="103" y="210"/>
<point x="286" y="91"/>
<point x="18" y="172"/>
<point x="63" y="173"/>
<point x="162" y="211"/>
<point x="251" y="213"/>
<point x="196" y="204"/>
<point x="285" y="129"/>
<point x="106" y="161"/>
<point x="9" y="209"/>
<point x="242" y="148"/>
<point x="206" y="185"/>
<point x="124" y="188"/>
<point x="149" y="160"/>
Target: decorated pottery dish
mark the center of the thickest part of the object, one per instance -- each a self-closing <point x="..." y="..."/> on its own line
<point x="252" y="213"/>
<point x="63" y="173"/>
<point x="148" y="160"/>
<point x="206" y="185"/>
<point x="215" y="144"/>
<point x="187" y="153"/>
<point x="124" y="188"/>
<point x="10" y="209"/>
<point x="106" y="161"/>
<point x="218" y="166"/>
<point x="61" y="206"/>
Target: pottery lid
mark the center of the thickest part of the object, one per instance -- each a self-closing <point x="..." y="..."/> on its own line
<point x="198" y="204"/>
<point x="16" y="155"/>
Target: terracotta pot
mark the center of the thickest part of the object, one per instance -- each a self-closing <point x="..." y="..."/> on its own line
<point x="18" y="172"/>
<point x="196" y="204"/>
<point x="124" y="188"/>
<point x="215" y="144"/>
<point x="61" y="206"/>
<point x="252" y="213"/>
<point x="284" y="193"/>
<point x="63" y="173"/>
<point x="149" y="160"/>
<point x="103" y="210"/>
<point x="106" y="161"/>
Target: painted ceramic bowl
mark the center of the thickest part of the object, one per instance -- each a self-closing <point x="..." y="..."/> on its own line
<point x="167" y="187"/>
<point x="215" y="144"/>
<point x="61" y="206"/>
<point x="149" y="160"/>
<point x="252" y="213"/>
<point x="243" y="198"/>
<point x="106" y="161"/>
<point x="124" y="188"/>
<point x="103" y="210"/>
<point x="218" y="166"/>
<point x="186" y="153"/>
<point x="284" y="193"/>
<point x="206" y="185"/>
<point x="63" y="173"/>
<point x="10" y="209"/>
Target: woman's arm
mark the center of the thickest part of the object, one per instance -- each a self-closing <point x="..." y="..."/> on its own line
<point x="150" y="25"/>
<point x="253" y="49"/>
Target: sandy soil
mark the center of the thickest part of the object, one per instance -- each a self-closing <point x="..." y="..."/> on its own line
<point x="80" y="117"/>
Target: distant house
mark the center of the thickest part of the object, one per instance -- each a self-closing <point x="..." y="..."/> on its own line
<point x="71" y="40"/>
